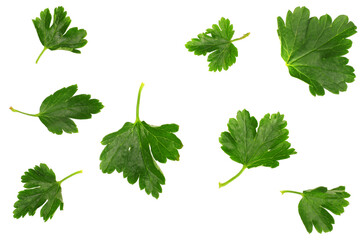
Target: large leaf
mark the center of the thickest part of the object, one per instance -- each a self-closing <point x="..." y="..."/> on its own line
<point x="136" y="147"/>
<point x="313" y="48"/>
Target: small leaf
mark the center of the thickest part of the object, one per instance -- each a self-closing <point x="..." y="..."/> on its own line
<point x="315" y="203"/>
<point x="42" y="190"/>
<point x="57" y="110"/>
<point x="218" y="42"/>
<point x="55" y="37"/>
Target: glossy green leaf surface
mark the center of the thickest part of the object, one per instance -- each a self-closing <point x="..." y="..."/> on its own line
<point x="55" y="37"/>
<point x="252" y="147"/>
<point x="41" y="190"/>
<point x="218" y="42"/>
<point x="58" y="109"/>
<point x="313" y="50"/>
<point x="134" y="150"/>
<point x="315" y="203"/>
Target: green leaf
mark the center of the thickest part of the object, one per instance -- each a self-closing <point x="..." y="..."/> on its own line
<point x="57" y="110"/>
<point x="313" y="48"/>
<point x="136" y="147"/>
<point x="42" y="190"/>
<point x="216" y="41"/>
<point x="315" y="203"/>
<point x="253" y="148"/>
<point x="55" y="37"/>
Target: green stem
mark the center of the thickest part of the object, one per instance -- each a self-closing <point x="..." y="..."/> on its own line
<point x="233" y="178"/>
<point x="138" y="103"/>
<point x="244" y="36"/>
<point x="14" y="110"/>
<point x="289" y="191"/>
<point x="45" y="48"/>
<point x="69" y="176"/>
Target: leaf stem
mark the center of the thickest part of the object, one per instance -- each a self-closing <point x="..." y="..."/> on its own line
<point x="14" y="110"/>
<point x="233" y="178"/>
<point x="69" y="176"/>
<point x="45" y="48"/>
<point x="244" y="36"/>
<point x="289" y="191"/>
<point x="138" y="103"/>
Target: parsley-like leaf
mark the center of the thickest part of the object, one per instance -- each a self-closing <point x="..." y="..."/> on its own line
<point x="313" y="48"/>
<point x="57" y="110"/>
<point x="55" y="37"/>
<point x="252" y="148"/>
<point x="136" y="147"/>
<point x="218" y="41"/>
<point x="42" y="189"/>
<point x="313" y="205"/>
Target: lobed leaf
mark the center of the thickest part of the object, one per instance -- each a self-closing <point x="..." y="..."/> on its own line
<point x="313" y="50"/>
<point x="218" y="42"/>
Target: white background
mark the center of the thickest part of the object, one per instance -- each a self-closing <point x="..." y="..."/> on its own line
<point x="143" y="41"/>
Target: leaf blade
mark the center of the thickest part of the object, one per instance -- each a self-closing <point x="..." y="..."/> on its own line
<point x="313" y="48"/>
<point x="315" y="205"/>
<point x="217" y="41"/>
<point x="42" y="189"/>
<point x="58" y="109"/>
<point x="135" y="149"/>
<point x="253" y="147"/>
<point x="56" y="36"/>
